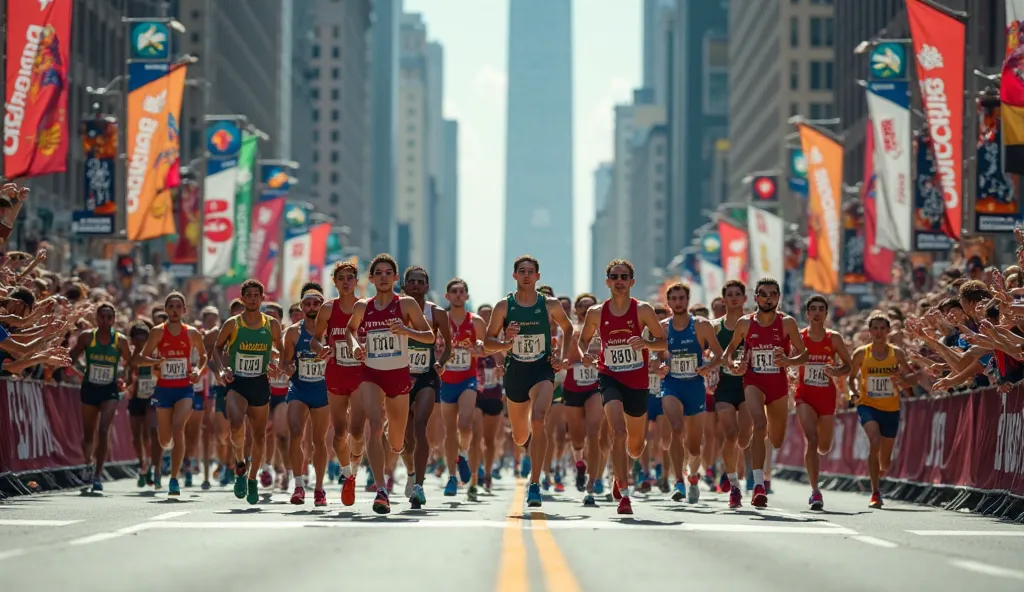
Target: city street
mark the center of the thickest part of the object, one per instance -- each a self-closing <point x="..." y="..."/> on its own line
<point x="129" y="538"/>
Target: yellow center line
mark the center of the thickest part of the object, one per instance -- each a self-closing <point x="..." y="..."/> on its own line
<point x="557" y="575"/>
<point x="513" y="575"/>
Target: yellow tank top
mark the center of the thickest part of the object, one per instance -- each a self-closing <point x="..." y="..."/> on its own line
<point x="876" y="387"/>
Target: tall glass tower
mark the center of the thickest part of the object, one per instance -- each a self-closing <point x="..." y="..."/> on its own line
<point x="538" y="167"/>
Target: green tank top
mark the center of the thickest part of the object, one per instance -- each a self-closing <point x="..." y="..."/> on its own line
<point x="724" y="339"/>
<point x="533" y="342"/>
<point x="101" y="360"/>
<point x="249" y="348"/>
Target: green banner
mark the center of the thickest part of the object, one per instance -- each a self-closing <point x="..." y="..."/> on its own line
<point x="243" y="213"/>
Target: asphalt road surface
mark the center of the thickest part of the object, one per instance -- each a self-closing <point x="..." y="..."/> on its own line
<point x="131" y="539"/>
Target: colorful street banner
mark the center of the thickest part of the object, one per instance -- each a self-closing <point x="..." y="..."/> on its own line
<point x="711" y="248"/>
<point x="275" y="179"/>
<point x="243" y="212"/>
<point x="764" y="190"/>
<point x="877" y="260"/>
<point x="154" y="110"/>
<point x="318" y="250"/>
<point x="712" y="277"/>
<point x="735" y="250"/>
<point x="797" y="172"/>
<point x="36" y="90"/>
<point x="997" y="207"/>
<point x="889" y="109"/>
<point x="99" y="145"/>
<point x="939" y="48"/>
<point x="265" y="240"/>
<point x="854" y="245"/>
<point x="888" y="61"/>
<point x="334" y="254"/>
<point x="929" y="207"/>
<point x="1011" y="89"/>
<point x="183" y="249"/>
<point x="825" y="177"/>
<point x="297" y="251"/>
<point x="223" y="143"/>
<point x="767" y="234"/>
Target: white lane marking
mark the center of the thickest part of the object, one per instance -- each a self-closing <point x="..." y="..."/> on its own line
<point x="11" y="553"/>
<point x="870" y="540"/>
<point x="580" y="525"/>
<point x="969" y="533"/>
<point x="106" y="536"/>
<point x="990" y="570"/>
<point x="169" y="515"/>
<point x="38" y="522"/>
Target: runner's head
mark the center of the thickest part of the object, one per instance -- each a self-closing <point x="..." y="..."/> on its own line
<point x="526" y="271"/>
<point x="312" y="299"/>
<point x="766" y="294"/>
<point x="662" y="312"/>
<point x="546" y="290"/>
<point x="485" y="310"/>
<point x="139" y="333"/>
<point x="275" y="310"/>
<point x="700" y="310"/>
<point x="619" y="273"/>
<point x="973" y="293"/>
<point x="718" y="307"/>
<point x="879" y="327"/>
<point x="457" y="292"/>
<point x="105" y="315"/>
<point x="236" y="307"/>
<point x="295" y="313"/>
<point x="252" y="295"/>
<point x="210" y="316"/>
<point x="20" y="301"/>
<point x="158" y="314"/>
<point x="816" y="310"/>
<point x="346" y="277"/>
<point x="566" y="305"/>
<point x="678" y="298"/>
<point x="174" y="306"/>
<point x="383" y="273"/>
<point x="416" y="282"/>
<point x="582" y="304"/>
<point x="734" y="293"/>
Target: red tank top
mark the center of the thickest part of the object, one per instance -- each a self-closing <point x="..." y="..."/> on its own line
<point x="176" y="351"/>
<point x="336" y="326"/>
<point x="760" y="342"/>
<point x="460" y="366"/>
<point x="618" y="359"/>
<point x="813" y="380"/>
<point x="384" y="349"/>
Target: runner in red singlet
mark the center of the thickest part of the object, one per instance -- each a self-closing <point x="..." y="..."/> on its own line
<point x="344" y="373"/>
<point x="815" y="390"/>
<point x="623" y="375"/>
<point x="767" y="336"/>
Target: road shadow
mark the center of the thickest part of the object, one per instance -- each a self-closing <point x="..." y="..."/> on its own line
<point x="87" y="493"/>
<point x="172" y="500"/>
<point x="912" y="510"/>
<point x="545" y="517"/>
<point x="832" y="513"/>
<point x="769" y="517"/>
<point x="236" y="511"/>
<point x="688" y="509"/>
<point x="643" y="522"/>
<point x="389" y="518"/>
<point x="151" y="493"/>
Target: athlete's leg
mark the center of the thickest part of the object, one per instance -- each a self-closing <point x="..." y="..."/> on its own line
<point x="296" y="413"/>
<point x="320" y="421"/>
<point x="540" y="398"/>
<point x="106" y="420"/>
<point x="808" y="418"/>
<point x="422" y="418"/>
<point x="259" y="417"/>
<point x="90" y="420"/>
<point x="673" y="409"/>
<point x="396" y="411"/>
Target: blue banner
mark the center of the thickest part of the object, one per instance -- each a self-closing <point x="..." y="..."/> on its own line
<point x="797" y="175"/>
<point x="296" y="220"/>
<point x="711" y="248"/>
<point x="275" y="180"/>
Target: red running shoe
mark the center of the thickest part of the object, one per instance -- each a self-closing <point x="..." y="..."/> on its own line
<point x="624" y="506"/>
<point x="266" y="479"/>
<point x="616" y="495"/>
<point x="299" y="496"/>
<point x="735" y="498"/>
<point x="760" y="499"/>
<point x="319" y="497"/>
<point x="876" y="500"/>
<point x="348" y="491"/>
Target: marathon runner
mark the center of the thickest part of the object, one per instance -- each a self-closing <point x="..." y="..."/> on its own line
<point x="816" y="391"/>
<point x="220" y="390"/>
<point x="279" y="455"/>
<point x="583" y="410"/>
<point x="530" y="363"/>
<point x="730" y="404"/>
<point x="767" y="336"/>
<point x="388" y="321"/>
<point x="876" y="380"/>
<point x="172" y="343"/>
<point x="249" y="338"/>
<point x="490" y="404"/>
<point x="711" y="448"/>
<point x="623" y="379"/>
<point x="142" y="413"/>
<point x="104" y="350"/>
<point x="659" y="430"/>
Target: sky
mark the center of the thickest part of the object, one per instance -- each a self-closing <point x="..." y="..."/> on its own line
<point x="607" y="53"/>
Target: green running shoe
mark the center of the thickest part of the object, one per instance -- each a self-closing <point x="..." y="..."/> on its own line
<point x="254" y="492"/>
<point x="240" y="486"/>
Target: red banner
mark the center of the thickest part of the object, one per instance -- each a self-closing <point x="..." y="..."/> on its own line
<point x="265" y="244"/>
<point x="38" y="60"/>
<point x="735" y="251"/>
<point x="877" y="260"/>
<point x="41" y="428"/>
<point x="318" y="250"/>
<point x="974" y="440"/>
<point x="939" y="47"/>
<point x="183" y="247"/>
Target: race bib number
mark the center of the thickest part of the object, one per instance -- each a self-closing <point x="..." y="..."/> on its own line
<point x="623" y="358"/>
<point x="312" y="369"/>
<point x="879" y="387"/>
<point x="764" y="362"/>
<point x="174" y="369"/>
<point x="248" y="366"/>
<point x="711" y="380"/>
<point x="460" y="360"/>
<point x="654" y="384"/>
<point x="490" y="378"/>
<point x="584" y="375"/>
<point x="419" y="361"/>
<point x="727" y="367"/>
<point x="101" y="374"/>
<point x="683" y="365"/>
<point x="146" y="386"/>
<point x="814" y="375"/>
<point x="528" y="348"/>
<point x="343" y="355"/>
<point x="382" y="345"/>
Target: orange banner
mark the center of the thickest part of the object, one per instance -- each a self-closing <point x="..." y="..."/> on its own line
<point x="825" y="185"/>
<point x="153" y="147"/>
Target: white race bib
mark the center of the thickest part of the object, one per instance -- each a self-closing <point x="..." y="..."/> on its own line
<point x="101" y="374"/>
<point x="623" y="358"/>
<point x="343" y="355"/>
<point x="529" y="348"/>
<point x="814" y="375"/>
<point x="683" y="365"/>
<point x="247" y="366"/>
<point x="711" y="380"/>
<point x="763" y="361"/>
<point x="880" y="387"/>
<point x="419" y="361"/>
<point x="584" y="375"/>
<point x="654" y="384"/>
<point x="146" y="386"/>
<point x="174" y="369"/>
<point x="490" y="378"/>
<point x="460" y="360"/>
<point x="312" y="369"/>
<point x="382" y="344"/>
<point x="727" y="367"/>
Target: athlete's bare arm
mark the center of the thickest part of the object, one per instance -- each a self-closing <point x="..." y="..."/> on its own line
<point x="291" y="337"/>
<point x="416" y="324"/>
<point x="839" y="346"/>
<point x="195" y="337"/>
<point x="210" y="343"/>
<point x="353" y="326"/>
<point x="323" y="319"/>
<point x="856" y="364"/>
<point x="649" y="320"/>
<point x="706" y="336"/>
<point x="126" y="354"/>
<point x="444" y="328"/>
<point x="479" y="331"/>
<point x="591" y="323"/>
<point x="797" y="352"/>
<point x="906" y="371"/>
<point x="495" y="328"/>
<point x="144" y="356"/>
<point x="276" y="335"/>
<point x="569" y="351"/>
<point x="84" y="337"/>
<point x="738" y="335"/>
<point x="226" y="331"/>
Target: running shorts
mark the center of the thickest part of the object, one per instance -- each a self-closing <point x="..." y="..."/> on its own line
<point x="394" y="383"/>
<point x="689" y="392"/>
<point x="426" y="380"/>
<point x="578" y="399"/>
<point x="167" y="396"/>
<point x="313" y="396"/>
<point x="634" y="401"/>
<point x="520" y="377"/>
<point x="450" y="393"/>
<point x="255" y="390"/>
<point x="888" y="421"/>
<point x="490" y="406"/>
<point x="98" y="394"/>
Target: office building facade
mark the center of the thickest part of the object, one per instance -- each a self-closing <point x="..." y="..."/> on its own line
<point x="600" y="253"/>
<point x="632" y="124"/>
<point x="649" y="192"/>
<point x="415" y="190"/>
<point x="384" y="60"/>
<point x="447" y="243"/>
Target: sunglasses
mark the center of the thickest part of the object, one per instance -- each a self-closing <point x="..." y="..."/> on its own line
<point x="767" y="294"/>
<point x="619" y="276"/>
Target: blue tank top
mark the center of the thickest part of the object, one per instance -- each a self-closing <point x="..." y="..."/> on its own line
<point x="685" y="354"/>
<point x="309" y="370"/>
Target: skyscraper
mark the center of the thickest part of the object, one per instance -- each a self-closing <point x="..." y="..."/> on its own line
<point x="538" y="167"/>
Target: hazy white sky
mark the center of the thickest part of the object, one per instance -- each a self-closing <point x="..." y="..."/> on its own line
<point x="607" y="54"/>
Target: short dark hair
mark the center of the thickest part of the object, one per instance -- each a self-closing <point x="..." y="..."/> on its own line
<point x="734" y="284"/>
<point x="878" y="315"/>
<point x="235" y="303"/>
<point x="455" y="282"/>
<point x="484" y="307"/>
<point x="546" y="290"/>
<point x="416" y="269"/>
<point x="178" y="296"/>
<point x="949" y="304"/>
<point x="138" y="328"/>
<point x="678" y="286"/>
<point x="661" y="308"/>
<point x="312" y="286"/>
<point x="295" y="307"/>
<point x="581" y="296"/>
<point x="252" y="283"/>
<point x="24" y="295"/>
<point x="344" y="265"/>
<point x="767" y="281"/>
<point x="107" y="306"/>
<point x="974" y="291"/>
<point x="565" y="299"/>
<point x="816" y="298"/>
<point x="525" y="259"/>
<point x="383" y="258"/>
<point x="274" y="306"/>
<point x="617" y="262"/>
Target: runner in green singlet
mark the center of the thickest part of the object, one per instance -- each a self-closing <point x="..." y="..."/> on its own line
<point x="730" y="405"/>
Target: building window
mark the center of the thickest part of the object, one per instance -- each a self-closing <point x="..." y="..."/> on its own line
<point x="194" y="37"/>
<point x="336" y="31"/>
<point x="334" y="178"/>
<point x="316" y="115"/>
<point x="828" y="76"/>
<point x="316" y="135"/>
<point x="821" y="75"/>
<point x="316" y="178"/>
<point x="716" y="92"/>
<point x="794" y="75"/>
<point x="824" y="2"/>
<point x="334" y="156"/>
<point x="314" y="93"/>
<point x="794" y="31"/>
<point x="822" y="31"/>
<point x="314" y="73"/>
<point x="335" y="94"/>
<point x="335" y="136"/>
<point x="822" y="111"/>
<point x="335" y="115"/>
<point x="335" y="52"/>
<point x="316" y="51"/>
<point x="335" y="199"/>
<point x="316" y="156"/>
<point x="335" y="73"/>
<point x="794" y="109"/>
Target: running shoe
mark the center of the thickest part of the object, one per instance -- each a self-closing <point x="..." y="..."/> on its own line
<point x="524" y="470"/>
<point x="496" y="473"/>
<point x="471" y="493"/>
<point x="816" y="501"/>
<point x="545" y="482"/>
<point x="253" y="494"/>
<point x="750" y="481"/>
<point x="487" y="483"/>
<point x="188" y="477"/>
<point x="319" y="497"/>
<point x="149" y="475"/>
<point x="418" y="497"/>
<point x="645" y="482"/>
<point x="226" y="477"/>
<point x="533" y="498"/>
<point x="581" y="475"/>
<point x="410" y="480"/>
<point x="876" y="500"/>
<point x="241" y="483"/>
<point x="599" y="486"/>
<point x="760" y="498"/>
<point x="680" y="492"/>
<point x="463" y="467"/>
<point x="142" y="479"/>
<point x="348" y="491"/>
<point x="735" y="498"/>
<point x="481" y="474"/>
<point x="693" y="492"/>
<point x="156" y="482"/>
<point x="266" y="479"/>
<point x="97" y="486"/>
<point x="559" y="486"/>
<point x="724" y="484"/>
<point x="624" y="506"/>
<point x="299" y="496"/>
<point x="205" y="485"/>
<point x="452" y="488"/>
<point x="589" y="502"/>
<point x="381" y="503"/>
<point x="173" y="490"/>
